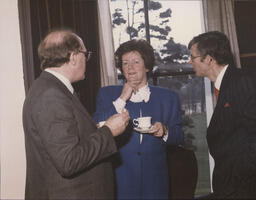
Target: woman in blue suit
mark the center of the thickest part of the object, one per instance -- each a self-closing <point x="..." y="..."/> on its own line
<point x="141" y="166"/>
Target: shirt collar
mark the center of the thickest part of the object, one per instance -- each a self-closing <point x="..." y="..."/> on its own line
<point x="220" y="77"/>
<point x="62" y="78"/>
<point x="144" y="88"/>
<point x="142" y="94"/>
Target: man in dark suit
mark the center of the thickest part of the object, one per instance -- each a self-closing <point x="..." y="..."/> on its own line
<point x="231" y="134"/>
<point x="66" y="153"/>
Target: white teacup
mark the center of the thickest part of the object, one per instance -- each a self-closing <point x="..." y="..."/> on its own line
<point x="142" y="122"/>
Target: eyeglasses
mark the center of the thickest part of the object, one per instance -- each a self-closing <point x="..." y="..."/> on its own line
<point x="87" y="54"/>
<point x="194" y="57"/>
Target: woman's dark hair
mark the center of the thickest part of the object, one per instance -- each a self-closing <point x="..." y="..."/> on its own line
<point x="214" y="44"/>
<point x="55" y="51"/>
<point x="142" y="47"/>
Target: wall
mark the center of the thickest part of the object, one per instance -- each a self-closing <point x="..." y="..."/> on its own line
<point x="12" y="97"/>
<point x="244" y="13"/>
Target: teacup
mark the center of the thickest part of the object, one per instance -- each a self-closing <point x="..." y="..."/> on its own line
<point x="142" y="122"/>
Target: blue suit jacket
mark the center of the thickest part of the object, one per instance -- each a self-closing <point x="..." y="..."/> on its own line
<point x="141" y="170"/>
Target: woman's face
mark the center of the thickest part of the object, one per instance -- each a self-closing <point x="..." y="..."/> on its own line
<point x="134" y="69"/>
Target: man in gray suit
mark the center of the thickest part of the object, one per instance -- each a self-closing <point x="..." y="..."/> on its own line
<point x="66" y="153"/>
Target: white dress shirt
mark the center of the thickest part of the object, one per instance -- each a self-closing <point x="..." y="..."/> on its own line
<point x="62" y="78"/>
<point x="219" y="78"/>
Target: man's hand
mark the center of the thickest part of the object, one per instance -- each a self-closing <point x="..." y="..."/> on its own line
<point x="118" y="122"/>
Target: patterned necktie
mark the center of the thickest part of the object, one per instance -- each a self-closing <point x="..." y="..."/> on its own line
<point x="216" y="93"/>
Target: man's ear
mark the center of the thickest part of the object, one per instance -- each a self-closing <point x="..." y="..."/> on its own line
<point x="73" y="58"/>
<point x="209" y="59"/>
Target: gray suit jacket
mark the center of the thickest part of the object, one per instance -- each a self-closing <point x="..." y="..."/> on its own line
<point x="66" y="154"/>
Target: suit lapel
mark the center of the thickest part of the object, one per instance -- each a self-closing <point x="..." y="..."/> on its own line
<point x="224" y="84"/>
<point x="74" y="98"/>
<point x="80" y="107"/>
<point x="222" y="94"/>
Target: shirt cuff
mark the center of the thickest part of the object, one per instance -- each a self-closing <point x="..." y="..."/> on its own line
<point x="119" y="105"/>
<point x="165" y="136"/>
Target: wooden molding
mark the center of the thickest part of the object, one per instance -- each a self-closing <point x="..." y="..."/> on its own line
<point x="245" y="55"/>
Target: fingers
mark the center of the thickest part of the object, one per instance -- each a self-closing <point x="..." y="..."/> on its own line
<point x="157" y="129"/>
<point x="133" y="85"/>
<point x="128" y="89"/>
<point x="126" y="92"/>
<point x="125" y="116"/>
<point x="118" y="122"/>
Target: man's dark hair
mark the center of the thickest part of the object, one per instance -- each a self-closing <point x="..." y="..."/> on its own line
<point x="55" y="49"/>
<point x="214" y="44"/>
<point x="142" y="47"/>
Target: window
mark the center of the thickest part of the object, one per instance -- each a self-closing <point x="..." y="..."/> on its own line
<point x="169" y="25"/>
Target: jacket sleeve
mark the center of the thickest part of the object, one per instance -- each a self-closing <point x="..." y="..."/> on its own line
<point x="104" y="105"/>
<point x="174" y="120"/>
<point x="59" y="134"/>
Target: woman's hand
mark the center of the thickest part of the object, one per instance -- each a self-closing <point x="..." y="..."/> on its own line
<point x="127" y="91"/>
<point x="158" y="129"/>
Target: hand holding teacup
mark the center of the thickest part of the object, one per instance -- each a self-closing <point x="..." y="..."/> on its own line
<point x="144" y="123"/>
<point x="158" y="129"/>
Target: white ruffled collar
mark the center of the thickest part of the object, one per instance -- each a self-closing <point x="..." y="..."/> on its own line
<point x="143" y="94"/>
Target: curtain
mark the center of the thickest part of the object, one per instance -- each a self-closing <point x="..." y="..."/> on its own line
<point x="107" y="64"/>
<point x="219" y="16"/>
<point x="37" y="17"/>
<point x="26" y="38"/>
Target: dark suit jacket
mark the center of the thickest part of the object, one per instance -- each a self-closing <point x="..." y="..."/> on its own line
<point x="65" y="151"/>
<point x="231" y="137"/>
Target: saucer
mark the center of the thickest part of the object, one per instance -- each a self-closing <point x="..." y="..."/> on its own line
<point x="142" y="130"/>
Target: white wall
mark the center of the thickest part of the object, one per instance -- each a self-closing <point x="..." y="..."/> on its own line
<point x="12" y="97"/>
